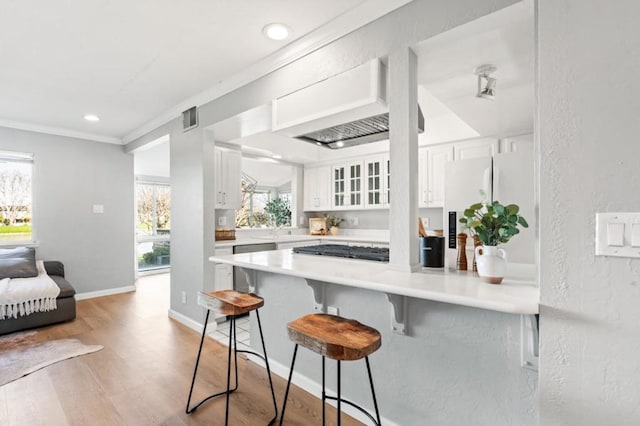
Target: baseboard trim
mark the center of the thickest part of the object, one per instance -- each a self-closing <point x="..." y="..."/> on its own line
<point x="107" y="292"/>
<point x="315" y="389"/>
<point x="192" y="324"/>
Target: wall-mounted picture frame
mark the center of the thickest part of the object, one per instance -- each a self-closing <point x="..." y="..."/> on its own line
<point x="317" y="226"/>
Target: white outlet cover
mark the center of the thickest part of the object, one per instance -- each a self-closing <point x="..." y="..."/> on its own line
<point x="222" y="221"/>
<point x="98" y="208"/>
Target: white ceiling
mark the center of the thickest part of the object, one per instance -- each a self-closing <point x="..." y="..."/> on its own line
<point x="130" y="62"/>
<point x="446" y="64"/>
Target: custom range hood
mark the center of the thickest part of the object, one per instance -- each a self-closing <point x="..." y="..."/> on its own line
<point x="345" y="110"/>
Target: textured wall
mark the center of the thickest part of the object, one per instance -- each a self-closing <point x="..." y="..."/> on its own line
<point x="70" y="175"/>
<point x="588" y="130"/>
<point x="458" y="367"/>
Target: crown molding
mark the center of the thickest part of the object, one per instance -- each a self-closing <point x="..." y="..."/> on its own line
<point x="344" y="24"/>
<point x="59" y="131"/>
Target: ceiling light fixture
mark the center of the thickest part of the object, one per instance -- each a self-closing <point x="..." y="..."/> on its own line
<point x="486" y="90"/>
<point x="91" y="117"/>
<point x="276" y="31"/>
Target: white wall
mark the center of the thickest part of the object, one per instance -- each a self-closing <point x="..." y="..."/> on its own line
<point x="70" y="175"/>
<point x="192" y="218"/>
<point x="588" y="128"/>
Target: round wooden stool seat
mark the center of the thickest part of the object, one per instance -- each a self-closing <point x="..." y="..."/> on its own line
<point x="230" y="302"/>
<point x="334" y="337"/>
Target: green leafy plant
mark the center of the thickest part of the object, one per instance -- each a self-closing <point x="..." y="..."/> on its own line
<point x="332" y="221"/>
<point x="493" y="223"/>
<point x="279" y="211"/>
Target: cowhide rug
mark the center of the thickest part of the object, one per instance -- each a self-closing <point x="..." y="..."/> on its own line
<point x="22" y="354"/>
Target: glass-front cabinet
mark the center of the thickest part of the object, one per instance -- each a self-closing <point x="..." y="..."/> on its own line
<point x="377" y="182"/>
<point x="347" y="186"/>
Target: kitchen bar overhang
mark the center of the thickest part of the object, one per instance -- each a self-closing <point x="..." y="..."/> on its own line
<point x="518" y="294"/>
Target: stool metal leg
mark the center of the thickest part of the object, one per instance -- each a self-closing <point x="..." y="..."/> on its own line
<point x="266" y="361"/>
<point x="324" y="393"/>
<point x="232" y="338"/>
<point x="339" y="397"/>
<point x="339" y="400"/>
<point x="195" y="370"/>
<point x="286" y="392"/>
<point x="373" y="392"/>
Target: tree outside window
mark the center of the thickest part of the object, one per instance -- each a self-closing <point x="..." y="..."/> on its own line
<point x="15" y="196"/>
<point x="153" y="225"/>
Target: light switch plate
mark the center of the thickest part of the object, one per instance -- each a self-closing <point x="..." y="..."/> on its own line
<point x="98" y="208"/>
<point x="616" y="234"/>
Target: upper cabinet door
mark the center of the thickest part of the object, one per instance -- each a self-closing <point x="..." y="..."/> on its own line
<point x="355" y="187"/>
<point x="374" y="178"/>
<point x="232" y="173"/>
<point x="423" y="178"/>
<point x="310" y="199"/>
<point x="317" y="188"/>
<point x="339" y="186"/>
<point x="437" y="158"/>
<point x="218" y="176"/>
<point x="479" y="148"/>
<point x="228" y="172"/>
<point x="522" y="143"/>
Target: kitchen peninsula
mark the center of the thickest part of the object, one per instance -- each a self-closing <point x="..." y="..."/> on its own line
<point x="444" y="332"/>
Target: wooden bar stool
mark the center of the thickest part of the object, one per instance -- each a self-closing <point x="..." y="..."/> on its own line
<point x="340" y="339"/>
<point x="232" y="304"/>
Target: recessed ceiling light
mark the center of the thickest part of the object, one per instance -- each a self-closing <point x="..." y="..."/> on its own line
<point x="339" y="144"/>
<point x="276" y="31"/>
<point x="276" y="156"/>
<point x="91" y="117"/>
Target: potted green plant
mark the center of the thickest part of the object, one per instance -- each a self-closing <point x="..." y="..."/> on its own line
<point x="493" y="224"/>
<point x="333" y="223"/>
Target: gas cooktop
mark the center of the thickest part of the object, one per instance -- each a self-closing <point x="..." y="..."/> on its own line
<point x="379" y="254"/>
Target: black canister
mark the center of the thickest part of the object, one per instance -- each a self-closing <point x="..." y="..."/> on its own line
<point x="432" y="252"/>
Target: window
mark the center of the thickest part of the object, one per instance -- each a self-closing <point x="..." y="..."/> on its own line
<point x="16" y="171"/>
<point x="153" y="227"/>
<point x="251" y="213"/>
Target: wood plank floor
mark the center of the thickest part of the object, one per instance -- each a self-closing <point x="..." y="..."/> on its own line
<point x="143" y="374"/>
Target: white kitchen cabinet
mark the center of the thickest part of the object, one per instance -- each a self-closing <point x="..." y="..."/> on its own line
<point x="317" y="188"/>
<point x="228" y="171"/>
<point x="478" y="148"/>
<point x="521" y="143"/>
<point x="347" y="187"/>
<point x="376" y="180"/>
<point x="432" y="161"/>
<point x="223" y="279"/>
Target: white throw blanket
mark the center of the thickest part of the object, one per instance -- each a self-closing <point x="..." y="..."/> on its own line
<point x="24" y="296"/>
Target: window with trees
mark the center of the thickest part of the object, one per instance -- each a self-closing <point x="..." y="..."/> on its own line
<point x="16" y="170"/>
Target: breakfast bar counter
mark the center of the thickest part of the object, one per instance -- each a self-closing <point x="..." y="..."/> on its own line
<point x="518" y="293"/>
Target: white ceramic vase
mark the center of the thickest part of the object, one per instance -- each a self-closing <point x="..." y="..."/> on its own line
<point x="334" y="230"/>
<point x="492" y="263"/>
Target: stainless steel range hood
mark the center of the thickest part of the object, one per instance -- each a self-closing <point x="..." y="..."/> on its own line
<point x="345" y="110"/>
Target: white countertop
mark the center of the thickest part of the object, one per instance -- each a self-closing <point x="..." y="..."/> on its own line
<point x="518" y="293"/>
<point x="301" y="237"/>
